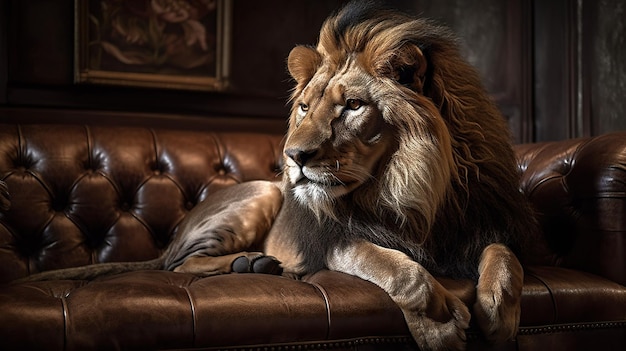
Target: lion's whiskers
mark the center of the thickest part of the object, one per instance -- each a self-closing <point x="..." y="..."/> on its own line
<point x="359" y="173"/>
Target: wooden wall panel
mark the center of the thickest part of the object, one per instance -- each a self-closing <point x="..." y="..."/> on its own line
<point x="3" y="53"/>
<point x="495" y="38"/>
<point x="554" y="68"/>
<point x="557" y="69"/>
<point x="40" y="45"/>
<point x="579" y="68"/>
<point x="604" y="53"/>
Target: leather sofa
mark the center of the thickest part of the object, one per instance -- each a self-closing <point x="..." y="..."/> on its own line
<point x="88" y="194"/>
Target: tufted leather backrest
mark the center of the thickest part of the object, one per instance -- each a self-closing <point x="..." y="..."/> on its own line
<point x="82" y="195"/>
<point x="578" y="188"/>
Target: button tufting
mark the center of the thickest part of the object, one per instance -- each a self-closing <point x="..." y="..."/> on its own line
<point x="158" y="167"/>
<point x="59" y="202"/>
<point x="57" y="206"/>
<point x="566" y="166"/>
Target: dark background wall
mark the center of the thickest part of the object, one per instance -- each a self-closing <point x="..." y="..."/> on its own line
<point x="557" y="68"/>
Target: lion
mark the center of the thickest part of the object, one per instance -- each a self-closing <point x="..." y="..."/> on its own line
<point x="398" y="168"/>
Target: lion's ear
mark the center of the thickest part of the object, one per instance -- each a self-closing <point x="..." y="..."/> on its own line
<point x="303" y="62"/>
<point x="407" y="66"/>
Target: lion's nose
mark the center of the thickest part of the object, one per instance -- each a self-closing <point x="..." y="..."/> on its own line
<point x="300" y="156"/>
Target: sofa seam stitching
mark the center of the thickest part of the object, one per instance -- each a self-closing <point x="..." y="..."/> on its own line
<point x="569" y="327"/>
<point x="326" y="305"/>
<point x="193" y="315"/>
<point x="543" y="282"/>
<point x="65" y="320"/>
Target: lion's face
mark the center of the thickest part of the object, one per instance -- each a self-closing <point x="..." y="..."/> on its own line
<point x="338" y="136"/>
<point x="359" y="125"/>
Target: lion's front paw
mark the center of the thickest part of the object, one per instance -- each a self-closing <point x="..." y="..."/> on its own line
<point x="497" y="314"/>
<point x="498" y="293"/>
<point x="257" y="263"/>
<point x="443" y="326"/>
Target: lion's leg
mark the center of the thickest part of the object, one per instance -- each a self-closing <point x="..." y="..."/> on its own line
<point x="223" y="227"/>
<point x="208" y="265"/>
<point x="436" y="318"/>
<point x="498" y="293"/>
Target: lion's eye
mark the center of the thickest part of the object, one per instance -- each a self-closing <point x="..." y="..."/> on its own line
<point x="354" y="104"/>
<point x="302" y="109"/>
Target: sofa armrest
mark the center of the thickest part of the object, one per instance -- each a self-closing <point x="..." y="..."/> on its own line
<point x="578" y="188"/>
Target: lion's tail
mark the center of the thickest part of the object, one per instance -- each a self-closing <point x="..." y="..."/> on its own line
<point x="92" y="271"/>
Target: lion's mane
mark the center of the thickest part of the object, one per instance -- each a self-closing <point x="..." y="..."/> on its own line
<point x="443" y="212"/>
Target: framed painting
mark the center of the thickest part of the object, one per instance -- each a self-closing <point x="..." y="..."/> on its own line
<point x="172" y="44"/>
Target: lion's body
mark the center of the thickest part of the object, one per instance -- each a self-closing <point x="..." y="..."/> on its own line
<point x="444" y="184"/>
<point x="398" y="167"/>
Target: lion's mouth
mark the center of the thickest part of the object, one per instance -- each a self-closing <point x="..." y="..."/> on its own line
<point x="323" y="183"/>
<point x="313" y="181"/>
<point x="313" y="185"/>
<point x="321" y="178"/>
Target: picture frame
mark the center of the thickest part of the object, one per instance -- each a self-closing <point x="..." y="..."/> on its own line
<point x="168" y="44"/>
